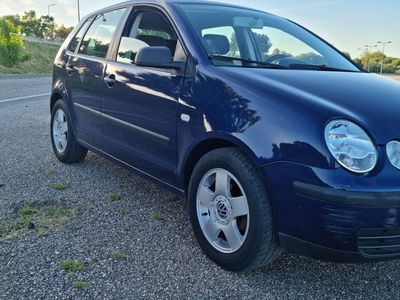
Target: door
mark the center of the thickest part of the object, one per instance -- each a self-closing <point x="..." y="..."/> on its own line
<point x="85" y="69"/>
<point x="140" y="104"/>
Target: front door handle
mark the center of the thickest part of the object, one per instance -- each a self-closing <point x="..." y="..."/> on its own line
<point x="110" y="80"/>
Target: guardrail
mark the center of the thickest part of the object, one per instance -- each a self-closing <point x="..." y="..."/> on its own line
<point x="42" y="41"/>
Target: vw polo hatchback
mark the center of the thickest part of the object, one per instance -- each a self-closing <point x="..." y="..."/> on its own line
<point x="274" y="137"/>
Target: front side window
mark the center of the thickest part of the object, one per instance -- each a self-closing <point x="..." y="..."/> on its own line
<point x="98" y="38"/>
<point x="147" y="28"/>
<point x="77" y="38"/>
<point x="248" y="38"/>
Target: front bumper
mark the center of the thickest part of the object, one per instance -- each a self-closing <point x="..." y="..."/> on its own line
<point x="333" y="215"/>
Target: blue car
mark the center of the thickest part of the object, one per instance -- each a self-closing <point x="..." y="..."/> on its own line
<point x="276" y="139"/>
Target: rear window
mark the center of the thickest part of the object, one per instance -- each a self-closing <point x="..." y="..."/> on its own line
<point x="77" y="38"/>
<point x="98" y="38"/>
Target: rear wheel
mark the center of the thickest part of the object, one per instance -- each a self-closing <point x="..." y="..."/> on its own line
<point x="230" y="211"/>
<point x="65" y="146"/>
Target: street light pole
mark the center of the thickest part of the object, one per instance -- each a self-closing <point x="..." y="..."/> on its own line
<point x="48" y="8"/>
<point x="362" y="51"/>
<point x="368" y="50"/>
<point x="383" y="53"/>
<point x="79" y="11"/>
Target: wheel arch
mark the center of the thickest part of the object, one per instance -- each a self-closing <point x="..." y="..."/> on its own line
<point x="54" y="97"/>
<point x="206" y="145"/>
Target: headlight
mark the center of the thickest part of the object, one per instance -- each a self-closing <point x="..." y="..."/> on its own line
<point x="393" y="152"/>
<point x="351" y="146"/>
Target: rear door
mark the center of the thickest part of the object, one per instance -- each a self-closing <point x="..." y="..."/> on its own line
<point x="140" y="108"/>
<point x="85" y="70"/>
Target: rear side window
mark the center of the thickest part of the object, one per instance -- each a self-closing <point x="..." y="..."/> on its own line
<point x="98" y="38"/>
<point x="75" y="41"/>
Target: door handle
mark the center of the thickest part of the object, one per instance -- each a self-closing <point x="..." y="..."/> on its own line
<point x="70" y="69"/>
<point x="110" y="80"/>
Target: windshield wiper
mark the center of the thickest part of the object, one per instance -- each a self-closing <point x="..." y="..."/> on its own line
<point x="317" y="67"/>
<point x="248" y="61"/>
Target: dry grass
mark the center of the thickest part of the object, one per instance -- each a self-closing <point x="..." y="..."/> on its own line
<point x="395" y="77"/>
<point x="38" y="219"/>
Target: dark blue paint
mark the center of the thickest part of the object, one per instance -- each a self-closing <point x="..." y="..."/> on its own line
<point x="277" y="117"/>
<point x="147" y="99"/>
<point x="83" y="84"/>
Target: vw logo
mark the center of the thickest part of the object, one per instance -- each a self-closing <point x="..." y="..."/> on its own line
<point x="222" y="210"/>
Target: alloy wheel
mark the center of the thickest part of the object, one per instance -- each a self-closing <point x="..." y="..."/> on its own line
<point x="60" y="131"/>
<point x="222" y="210"/>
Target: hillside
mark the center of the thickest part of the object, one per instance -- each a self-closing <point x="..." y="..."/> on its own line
<point x="40" y="62"/>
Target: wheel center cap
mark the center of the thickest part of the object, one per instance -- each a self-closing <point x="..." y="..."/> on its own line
<point x="222" y="210"/>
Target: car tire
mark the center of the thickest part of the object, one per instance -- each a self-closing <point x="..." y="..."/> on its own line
<point x="65" y="146"/>
<point x="249" y="246"/>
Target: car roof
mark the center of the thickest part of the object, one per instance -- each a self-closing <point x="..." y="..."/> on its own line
<point x="164" y="3"/>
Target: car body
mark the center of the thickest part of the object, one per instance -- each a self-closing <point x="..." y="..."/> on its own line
<point x="160" y="121"/>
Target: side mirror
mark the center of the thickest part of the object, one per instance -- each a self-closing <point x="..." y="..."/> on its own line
<point x="156" y="57"/>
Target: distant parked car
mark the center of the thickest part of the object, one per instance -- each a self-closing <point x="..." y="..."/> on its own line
<point x="274" y="137"/>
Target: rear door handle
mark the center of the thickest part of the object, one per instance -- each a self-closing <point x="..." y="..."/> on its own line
<point x="70" y="69"/>
<point x="110" y="80"/>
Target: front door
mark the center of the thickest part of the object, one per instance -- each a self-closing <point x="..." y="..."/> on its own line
<point x="140" y="104"/>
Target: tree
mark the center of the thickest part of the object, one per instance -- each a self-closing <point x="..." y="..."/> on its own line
<point x="39" y="27"/>
<point x="234" y="48"/>
<point x="372" y="61"/>
<point x="347" y="54"/>
<point x="262" y="40"/>
<point x="30" y="24"/>
<point x="11" y="43"/>
<point x="15" y="19"/>
<point x="46" y="27"/>
<point x="312" y="58"/>
<point x="263" y="43"/>
<point x="62" y="32"/>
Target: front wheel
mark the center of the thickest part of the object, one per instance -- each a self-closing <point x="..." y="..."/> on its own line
<point x="230" y="211"/>
<point x="65" y="146"/>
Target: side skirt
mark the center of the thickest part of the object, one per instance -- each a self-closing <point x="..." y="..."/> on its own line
<point x="171" y="188"/>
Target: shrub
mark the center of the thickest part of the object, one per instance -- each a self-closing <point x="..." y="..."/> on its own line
<point x="11" y="43"/>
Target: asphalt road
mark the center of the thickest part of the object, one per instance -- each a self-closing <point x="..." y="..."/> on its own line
<point x="147" y="225"/>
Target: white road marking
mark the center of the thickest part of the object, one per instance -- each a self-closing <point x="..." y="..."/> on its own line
<point x="26" y="97"/>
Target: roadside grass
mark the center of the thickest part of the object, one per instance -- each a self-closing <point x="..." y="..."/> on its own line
<point x="172" y="199"/>
<point x="114" y="197"/>
<point x="124" y="184"/>
<point x="118" y="255"/>
<point x="60" y="186"/>
<point x="156" y="216"/>
<point x="81" y="285"/>
<point x="41" y="58"/>
<point x="38" y="219"/>
<point x="50" y="172"/>
<point x="72" y="265"/>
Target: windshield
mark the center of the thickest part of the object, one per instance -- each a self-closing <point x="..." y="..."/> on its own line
<point x="239" y="37"/>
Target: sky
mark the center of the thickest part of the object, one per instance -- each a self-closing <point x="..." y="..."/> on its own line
<point x="347" y="24"/>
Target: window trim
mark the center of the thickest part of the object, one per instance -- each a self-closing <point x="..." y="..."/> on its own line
<point x="93" y="17"/>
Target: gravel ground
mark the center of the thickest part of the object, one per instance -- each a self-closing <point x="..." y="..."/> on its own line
<point x="148" y="225"/>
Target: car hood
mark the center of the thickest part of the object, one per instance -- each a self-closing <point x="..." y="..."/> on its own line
<point x="371" y="100"/>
